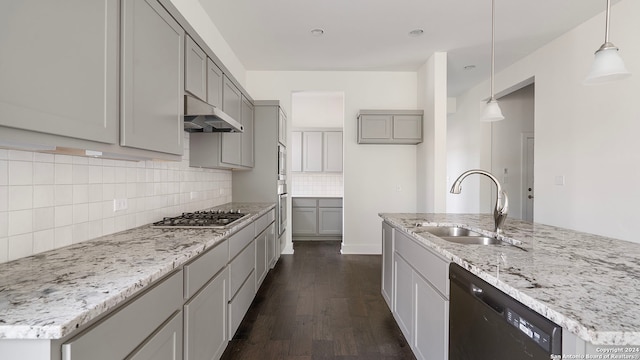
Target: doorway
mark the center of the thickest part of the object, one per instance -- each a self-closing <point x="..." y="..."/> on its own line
<point x="512" y="151"/>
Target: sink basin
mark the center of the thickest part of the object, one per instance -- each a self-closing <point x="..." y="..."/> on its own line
<point x="472" y="240"/>
<point x="461" y="235"/>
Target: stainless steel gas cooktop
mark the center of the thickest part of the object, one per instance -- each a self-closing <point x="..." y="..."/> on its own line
<point x="215" y="219"/>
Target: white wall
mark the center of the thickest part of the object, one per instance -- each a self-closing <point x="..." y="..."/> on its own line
<point x="372" y="173"/>
<point x="506" y="147"/>
<point x="317" y="109"/>
<point x="431" y="153"/>
<point x="50" y="201"/>
<point x="586" y="134"/>
<point x="195" y="14"/>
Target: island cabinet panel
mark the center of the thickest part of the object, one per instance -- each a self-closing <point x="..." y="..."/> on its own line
<point x="59" y="68"/>
<point x="205" y="321"/>
<point x="141" y="318"/>
<point x="165" y="344"/>
<point x="387" y="264"/>
<point x="152" y="95"/>
<point x="420" y="293"/>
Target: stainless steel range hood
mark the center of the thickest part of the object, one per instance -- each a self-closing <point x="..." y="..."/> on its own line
<point x="202" y="117"/>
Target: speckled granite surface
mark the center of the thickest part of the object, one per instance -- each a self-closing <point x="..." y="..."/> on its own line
<point x="588" y="284"/>
<point x="47" y="295"/>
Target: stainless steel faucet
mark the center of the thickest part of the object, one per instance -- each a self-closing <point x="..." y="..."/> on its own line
<point x="502" y="200"/>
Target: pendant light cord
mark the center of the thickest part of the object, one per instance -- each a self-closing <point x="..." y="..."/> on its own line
<point x="493" y="40"/>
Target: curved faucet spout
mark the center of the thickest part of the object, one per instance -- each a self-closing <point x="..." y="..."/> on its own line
<point x="502" y="200"/>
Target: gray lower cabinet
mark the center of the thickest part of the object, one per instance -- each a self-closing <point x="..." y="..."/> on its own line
<point x="205" y="319"/>
<point x="165" y="344"/>
<point x="152" y="86"/>
<point x="316" y="217"/>
<point x="390" y="127"/>
<point x="130" y="328"/>
<point x="419" y="293"/>
<point x="59" y="68"/>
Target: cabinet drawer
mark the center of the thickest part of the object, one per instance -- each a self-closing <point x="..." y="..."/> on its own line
<point x="120" y="333"/>
<point x="429" y="265"/>
<point x="303" y="202"/>
<point x="240" y="268"/>
<point x="240" y="304"/>
<point x="199" y="271"/>
<point x="241" y="239"/>
<point x="263" y="222"/>
<point x="331" y="202"/>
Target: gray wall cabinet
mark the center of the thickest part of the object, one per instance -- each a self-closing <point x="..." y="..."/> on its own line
<point x="152" y="78"/>
<point x="59" y="71"/>
<point x="317" y="151"/>
<point x="390" y="127"/>
<point x="282" y="128"/>
<point x="316" y="218"/>
<point x="247" y="139"/>
<point x="214" y="84"/>
<point x="196" y="69"/>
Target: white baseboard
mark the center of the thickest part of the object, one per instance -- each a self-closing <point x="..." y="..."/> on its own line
<point x="364" y="249"/>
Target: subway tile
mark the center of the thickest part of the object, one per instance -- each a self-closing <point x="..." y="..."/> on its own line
<point x="95" y="174"/>
<point x="80" y="213"/>
<point x="43" y="218"/>
<point x="63" y="236"/>
<point x="20" y="246"/>
<point x="43" y="196"/>
<point x="20" y="173"/>
<point x="4" y="249"/>
<point x="108" y="192"/>
<point x="4" y="225"/>
<point x="80" y="160"/>
<point x="80" y="194"/>
<point x="80" y="174"/>
<point x="95" y="211"/>
<point x="20" y="222"/>
<point x="108" y="175"/>
<point x="63" y="215"/>
<point x="63" y="173"/>
<point x="63" y="194"/>
<point x="80" y="232"/>
<point x="4" y="198"/>
<point x="95" y="161"/>
<point x="4" y="173"/>
<point x="120" y="175"/>
<point x="63" y="159"/>
<point x="95" y="229"/>
<point x="19" y="155"/>
<point x="108" y="226"/>
<point x="43" y="157"/>
<point x="95" y="193"/>
<point x="20" y="197"/>
<point x="43" y="241"/>
<point x="43" y="173"/>
<point x="4" y="154"/>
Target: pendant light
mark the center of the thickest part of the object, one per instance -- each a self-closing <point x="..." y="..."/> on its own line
<point x="608" y="65"/>
<point x="492" y="110"/>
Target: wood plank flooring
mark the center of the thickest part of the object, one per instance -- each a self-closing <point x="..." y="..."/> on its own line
<point x="319" y="304"/>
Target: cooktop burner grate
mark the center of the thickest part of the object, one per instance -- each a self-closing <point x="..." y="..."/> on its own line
<point x="217" y="219"/>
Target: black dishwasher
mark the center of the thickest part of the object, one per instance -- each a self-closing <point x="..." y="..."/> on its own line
<point x="487" y="324"/>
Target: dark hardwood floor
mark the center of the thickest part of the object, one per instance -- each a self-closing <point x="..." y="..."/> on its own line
<point x="319" y="304"/>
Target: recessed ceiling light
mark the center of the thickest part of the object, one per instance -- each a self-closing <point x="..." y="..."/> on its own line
<point x="416" y="32"/>
<point x="317" y="32"/>
<point x="470" y="67"/>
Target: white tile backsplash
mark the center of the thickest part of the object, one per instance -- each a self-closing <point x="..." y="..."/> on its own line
<point x="48" y="201"/>
<point x="310" y="184"/>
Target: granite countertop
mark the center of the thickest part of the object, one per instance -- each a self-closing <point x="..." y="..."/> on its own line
<point x="588" y="284"/>
<point x="49" y="295"/>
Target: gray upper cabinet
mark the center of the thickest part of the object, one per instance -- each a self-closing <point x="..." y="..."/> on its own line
<point x="332" y="151"/>
<point x="296" y="153"/>
<point x="232" y="142"/>
<point x="196" y="69"/>
<point x="312" y="151"/>
<point x="248" y="134"/>
<point x="316" y="151"/>
<point x="282" y="128"/>
<point x="231" y="99"/>
<point x="214" y="84"/>
<point x="152" y="78"/>
<point x="59" y="68"/>
<point x="390" y="127"/>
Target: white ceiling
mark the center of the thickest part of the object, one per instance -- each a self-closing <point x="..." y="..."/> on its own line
<point x="373" y="34"/>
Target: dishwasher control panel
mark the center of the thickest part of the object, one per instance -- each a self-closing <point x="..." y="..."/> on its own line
<point x="533" y="332"/>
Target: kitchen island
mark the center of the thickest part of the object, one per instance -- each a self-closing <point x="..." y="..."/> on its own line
<point x="588" y="284"/>
<point x="52" y="296"/>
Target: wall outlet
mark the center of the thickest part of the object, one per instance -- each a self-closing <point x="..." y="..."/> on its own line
<point x="120" y="204"/>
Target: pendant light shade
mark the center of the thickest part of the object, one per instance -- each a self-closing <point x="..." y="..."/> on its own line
<point x="492" y="110"/>
<point x="607" y="65"/>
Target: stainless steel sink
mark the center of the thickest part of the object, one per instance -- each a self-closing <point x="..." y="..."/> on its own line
<point x="461" y="235"/>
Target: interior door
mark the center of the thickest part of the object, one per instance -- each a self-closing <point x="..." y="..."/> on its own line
<point x="528" y="142"/>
